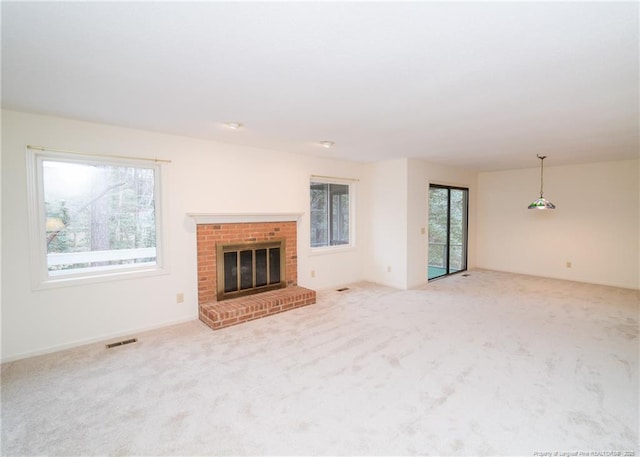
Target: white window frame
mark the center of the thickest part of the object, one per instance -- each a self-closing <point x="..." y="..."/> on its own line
<point x="41" y="278"/>
<point x="315" y="250"/>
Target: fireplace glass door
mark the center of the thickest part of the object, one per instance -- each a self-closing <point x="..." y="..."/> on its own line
<point x="249" y="268"/>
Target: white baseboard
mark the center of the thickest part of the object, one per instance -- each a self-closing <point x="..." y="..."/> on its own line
<point x="98" y="339"/>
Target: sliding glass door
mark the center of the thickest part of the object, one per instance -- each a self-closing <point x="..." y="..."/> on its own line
<point x="448" y="211"/>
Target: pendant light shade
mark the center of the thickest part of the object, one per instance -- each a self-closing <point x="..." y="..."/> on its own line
<point x="542" y="203"/>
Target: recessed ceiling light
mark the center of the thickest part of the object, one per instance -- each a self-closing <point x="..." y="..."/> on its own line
<point x="233" y="125"/>
<point x="327" y="144"/>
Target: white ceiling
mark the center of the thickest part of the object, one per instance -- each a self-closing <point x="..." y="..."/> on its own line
<point x="477" y="85"/>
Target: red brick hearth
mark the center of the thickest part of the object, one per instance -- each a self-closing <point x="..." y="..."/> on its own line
<point x="218" y="314"/>
<point x="235" y="311"/>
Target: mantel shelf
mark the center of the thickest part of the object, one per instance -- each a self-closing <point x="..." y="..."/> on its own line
<point x="229" y="218"/>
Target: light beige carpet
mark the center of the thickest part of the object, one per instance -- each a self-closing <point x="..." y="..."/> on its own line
<point x="489" y="364"/>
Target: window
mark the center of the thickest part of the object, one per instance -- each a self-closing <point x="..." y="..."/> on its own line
<point x="92" y="217"/>
<point x="330" y="214"/>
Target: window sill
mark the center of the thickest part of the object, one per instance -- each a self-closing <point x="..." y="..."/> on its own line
<point x="332" y="250"/>
<point x="54" y="283"/>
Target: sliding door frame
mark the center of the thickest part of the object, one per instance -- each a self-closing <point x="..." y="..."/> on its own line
<point x="465" y="244"/>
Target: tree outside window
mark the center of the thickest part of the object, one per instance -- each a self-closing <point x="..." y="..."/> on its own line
<point x="330" y="213"/>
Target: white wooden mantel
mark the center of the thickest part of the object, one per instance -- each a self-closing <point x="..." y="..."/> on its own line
<point x="231" y="218"/>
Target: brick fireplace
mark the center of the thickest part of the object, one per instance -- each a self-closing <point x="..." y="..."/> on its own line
<point x="215" y="230"/>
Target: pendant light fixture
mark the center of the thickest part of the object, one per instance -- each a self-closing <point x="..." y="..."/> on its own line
<point x="541" y="203"/>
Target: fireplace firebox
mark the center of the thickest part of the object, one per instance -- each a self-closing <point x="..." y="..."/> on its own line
<point x="250" y="268"/>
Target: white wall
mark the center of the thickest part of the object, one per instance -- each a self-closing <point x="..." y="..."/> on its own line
<point x="199" y="179"/>
<point x="595" y="225"/>
<point x="385" y="234"/>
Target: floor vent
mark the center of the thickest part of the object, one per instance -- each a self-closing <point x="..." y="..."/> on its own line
<point x="121" y="343"/>
<point x="342" y="289"/>
<point x="466" y="274"/>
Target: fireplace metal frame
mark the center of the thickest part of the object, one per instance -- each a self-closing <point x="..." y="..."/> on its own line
<point x="221" y="248"/>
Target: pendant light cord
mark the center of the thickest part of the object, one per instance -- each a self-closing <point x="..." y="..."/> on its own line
<point x="541" y="171"/>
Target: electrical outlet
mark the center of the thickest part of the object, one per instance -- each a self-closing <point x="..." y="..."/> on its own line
<point x="388" y="268"/>
<point x="423" y="230"/>
<point x="313" y="273"/>
<point x="568" y="264"/>
<point x="180" y="297"/>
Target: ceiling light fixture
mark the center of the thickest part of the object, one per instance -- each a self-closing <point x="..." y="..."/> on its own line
<point x="541" y="203"/>
<point x="233" y="125"/>
<point x="327" y="144"/>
